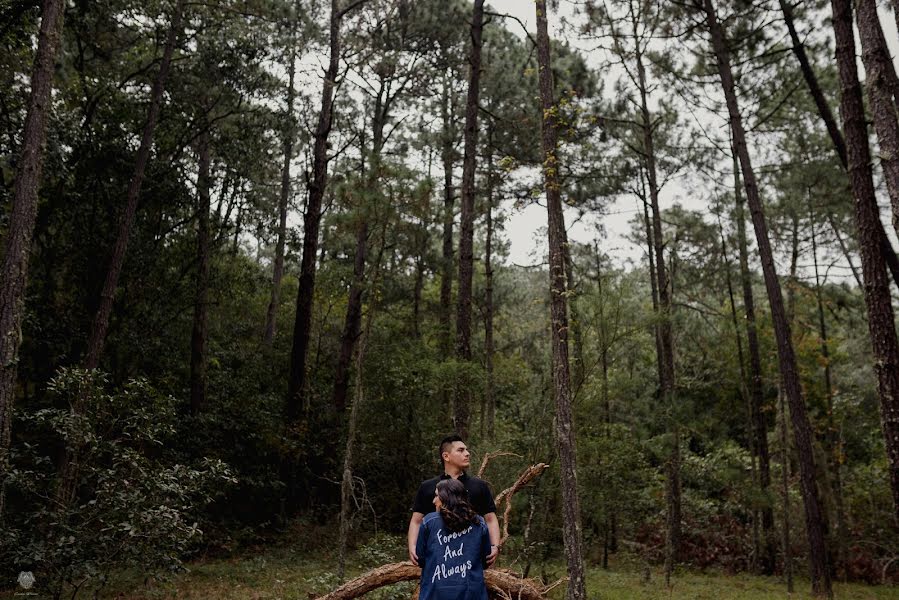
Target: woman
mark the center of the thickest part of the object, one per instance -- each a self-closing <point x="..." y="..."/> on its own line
<point x="453" y="545"/>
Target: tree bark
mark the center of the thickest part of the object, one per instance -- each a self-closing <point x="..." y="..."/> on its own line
<point x="347" y="484"/>
<point x="672" y="488"/>
<point x="654" y="288"/>
<point x="815" y="526"/>
<point x="14" y="277"/>
<point x="302" y="328"/>
<point x="835" y="451"/>
<point x="201" y="304"/>
<point x="284" y="198"/>
<point x="353" y="321"/>
<point x="833" y="130"/>
<point x="881" y="323"/>
<point x="100" y="326"/>
<point x="462" y="404"/>
<point x="446" y="274"/>
<point x="878" y="68"/>
<point x="785" y="491"/>
<point x="565" y="438"/>
<point x="745" y="396"/>
<point x="489" y="399"/>
<point x="574" y="322"/>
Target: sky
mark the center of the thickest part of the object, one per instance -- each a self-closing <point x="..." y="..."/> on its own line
<point x="525" y="228"/>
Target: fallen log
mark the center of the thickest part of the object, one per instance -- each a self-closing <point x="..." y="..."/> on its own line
<point x="500" y="583"/>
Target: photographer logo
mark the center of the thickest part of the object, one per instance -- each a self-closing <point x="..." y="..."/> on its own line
<point x="26" y="579"/>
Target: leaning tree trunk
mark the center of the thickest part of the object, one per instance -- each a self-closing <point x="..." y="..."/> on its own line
<point x="500" y="583"/>
<point x="302" y="327"/>
<point x="201" y="305"/>
<point x="462" y="404"/>
<point x="284" y="198"/>
<point x="830" y="123"/>
<point x="881" y="323"/>
<point x="815" y="526"/>
<point x="756" y="395"/>
<point x="13" y="278"/>
<point x="100" y="325"/>
<point x="571" y="521"/>
<point x="878" y="68"/>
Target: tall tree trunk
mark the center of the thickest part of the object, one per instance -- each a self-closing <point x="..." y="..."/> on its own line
<point x="422" y="247"/>
<point x="672" y="487"/>
<point x="878" y="68"/>
<point x="574" y="322"/>
<point x="815" y="526"/>
<point x="446" y="273"/>
<point x="201" y="304"/>
<point x="489" y="399"/>
<point x="785" y="491"/>
<point x="881" y="323"/>
<point x="100" y="325"/>
<point x="302" y="328"/>
<point x="347" y="482"/>
<point x="835" y="451"/>
<point x="603" y="338"/>
<point x="353" y="321"/>
<point x="462" y="405"/>
<point x="565" y="438"/>
<point x="745" y="396"/>
<point x="284" y="198"/>
<point x="830" y="123"/>
<point x="654" y="287"/>
<point x="13" y="278"/>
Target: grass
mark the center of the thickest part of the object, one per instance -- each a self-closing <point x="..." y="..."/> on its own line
<point x="296" y="573"/>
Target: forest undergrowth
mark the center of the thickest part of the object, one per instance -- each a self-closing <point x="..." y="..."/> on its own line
<point x="298" y="571"/>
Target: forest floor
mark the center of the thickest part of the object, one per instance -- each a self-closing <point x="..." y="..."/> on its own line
<point x="295" y="573"/>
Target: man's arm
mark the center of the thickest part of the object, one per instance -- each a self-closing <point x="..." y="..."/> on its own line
<point x="412" y="535"/>
<point x="493" y="528"/>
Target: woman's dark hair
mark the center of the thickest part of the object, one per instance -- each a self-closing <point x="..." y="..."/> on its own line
<point x="456" y="511"/>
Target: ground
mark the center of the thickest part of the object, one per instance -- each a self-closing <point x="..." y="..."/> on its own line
<point x="295" y="573"/>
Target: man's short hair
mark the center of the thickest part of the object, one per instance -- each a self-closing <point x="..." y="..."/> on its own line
<point x="445" y="445"/>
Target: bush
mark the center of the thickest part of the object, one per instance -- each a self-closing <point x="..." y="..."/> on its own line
<point x="129" y="504"/>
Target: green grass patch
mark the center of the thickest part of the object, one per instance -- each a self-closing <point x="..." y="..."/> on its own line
<point x="291" y="572"/>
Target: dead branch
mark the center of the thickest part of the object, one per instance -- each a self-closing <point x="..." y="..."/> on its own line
<point x="490" y="456"/>
<point x="500" y="583"/>
<point x="506" y="495"/>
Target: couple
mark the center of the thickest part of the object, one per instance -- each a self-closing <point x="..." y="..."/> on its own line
<point x="453" y="534"/>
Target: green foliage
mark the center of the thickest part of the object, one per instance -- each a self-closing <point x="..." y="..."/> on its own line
<point x="132" y="505"/>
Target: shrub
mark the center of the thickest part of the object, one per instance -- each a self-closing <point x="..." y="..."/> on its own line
<point x="130" y="504"/>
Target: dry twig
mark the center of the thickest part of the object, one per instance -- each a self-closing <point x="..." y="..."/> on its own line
<point x="490" y="456"/>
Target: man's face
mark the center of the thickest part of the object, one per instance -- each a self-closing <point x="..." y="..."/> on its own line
<point x="457" y="456"/>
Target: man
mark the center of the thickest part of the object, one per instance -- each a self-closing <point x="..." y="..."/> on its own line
<point x="455" y="458"/>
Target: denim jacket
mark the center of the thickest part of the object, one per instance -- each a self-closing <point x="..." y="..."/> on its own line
<point x="452" y="564"/>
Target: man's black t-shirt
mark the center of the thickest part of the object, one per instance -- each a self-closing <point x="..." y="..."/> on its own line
<point x="478" y="494"/>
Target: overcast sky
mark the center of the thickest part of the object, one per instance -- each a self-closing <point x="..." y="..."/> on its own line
<point x="527" y="242"/>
